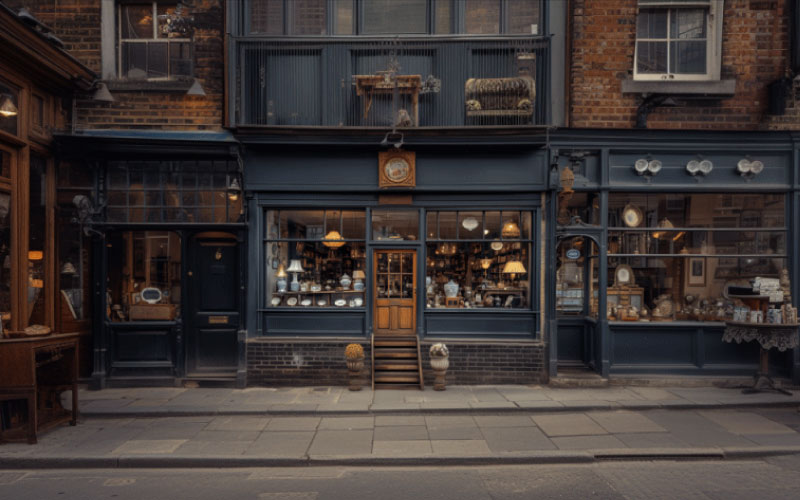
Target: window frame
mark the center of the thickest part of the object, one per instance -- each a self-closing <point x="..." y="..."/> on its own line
<point x="121" y="42"/>
<point x="457" y="24"/>
<point x="714" y="17"/>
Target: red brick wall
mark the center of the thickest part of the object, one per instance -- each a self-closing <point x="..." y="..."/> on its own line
<point x="77" y="24"/>
<point x="755" y="52"/>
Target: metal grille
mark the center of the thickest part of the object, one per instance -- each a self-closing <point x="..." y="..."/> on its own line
<point x="403" y="81"/>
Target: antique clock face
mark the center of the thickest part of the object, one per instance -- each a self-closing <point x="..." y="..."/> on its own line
<point x="632" y="215"/>
<point x="397" y="169"/>
<point x="623" y="275"/>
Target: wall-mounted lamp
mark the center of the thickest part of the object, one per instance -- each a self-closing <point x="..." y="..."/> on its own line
<point x="234" y="189"/>
<point x="102" y="93"/>
<point x="699" y="167"/>
<point x="196" y="89"/>
<point x="648" y="168"/>
<point x="7" y="106"/>
<point x="748" y="168"/>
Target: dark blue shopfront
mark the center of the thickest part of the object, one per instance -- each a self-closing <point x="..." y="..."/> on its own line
<point x="319" y="221"/>
<point x="650" y="238"/>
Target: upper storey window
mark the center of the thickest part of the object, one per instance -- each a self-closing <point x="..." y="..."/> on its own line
<point x="392" y="17"/>
<point x="678" y="40"/>
<point x="152" y="44"/>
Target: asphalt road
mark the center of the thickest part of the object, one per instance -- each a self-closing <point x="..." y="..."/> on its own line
<point x="772" y="478"/>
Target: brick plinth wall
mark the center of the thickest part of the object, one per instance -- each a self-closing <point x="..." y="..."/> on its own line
<point x="304" y="362"/>
<point x="315" y="362"/>
<point x="473" y="362"/>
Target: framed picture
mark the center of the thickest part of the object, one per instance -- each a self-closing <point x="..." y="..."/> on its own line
<point x="696" y="272"/>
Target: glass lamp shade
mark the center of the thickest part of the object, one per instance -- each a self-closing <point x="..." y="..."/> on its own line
<point x="7" y="107"/>
<point x="295" y="266"/>
<point x="514" y="267"/>
<point x="68" y="268"/>
<point x="281" y="272"/>
<point x="510" y="230"/>
<point x="358" y="274"/>
<point x="35" y="255"/>
<point x="663" y="225"/>
<point x="332" y="240"/>
<point x="486" y="263"/>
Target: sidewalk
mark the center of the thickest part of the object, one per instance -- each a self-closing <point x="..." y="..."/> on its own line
<point x="258" y="427"/>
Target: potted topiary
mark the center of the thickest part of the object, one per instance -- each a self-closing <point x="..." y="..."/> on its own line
<point x="440" y="361"/>
<point x="354" y="357"/>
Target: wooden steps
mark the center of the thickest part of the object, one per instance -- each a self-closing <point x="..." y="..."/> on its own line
<point x="396" y="363"/>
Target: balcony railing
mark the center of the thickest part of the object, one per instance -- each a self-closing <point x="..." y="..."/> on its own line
<point x="408" y="82"/>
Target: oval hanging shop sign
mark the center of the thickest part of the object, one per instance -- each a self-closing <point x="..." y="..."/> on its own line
<point x="573" y="253"/>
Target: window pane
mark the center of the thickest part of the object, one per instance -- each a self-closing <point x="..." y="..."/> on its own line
<point x="180" y="59"/>
<point x="444" y="17"/>
<point x="5" y="259"/>
<point x="688" y="57"/>
<point x="651" y="23"/>
<point x="395" y="16"/>
<point x="344" y="17"/>
<point x="447" y="226"/>
<point x="395" y="224"/>
<point x="302" y="224"/>
<point x="157" y="57"/>
<point x="36" y="242"/>
<point x="266" y="17"/>
<point x="9" y="109"/>
<point x="140" y="260"/>
<point x="163" y="29"/>
<point x="134" y="57"/>
<point x="482" y="17"/>
<point x="5" y="164"/>
<point x="73" y="266"/>
<point x="136" y="21"/>
<point x="309" y="17"/>
<point x="470" y="225"/>
<point x="523" y="17"/>
<point x="354" y="224"/>
<point x="688" y="23"/>
<point x="493" y="225"/>
<point x="651" y="57"/>
<point x="484" y="278"/>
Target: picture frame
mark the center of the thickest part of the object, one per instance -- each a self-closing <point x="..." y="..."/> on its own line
<point x="696" y="272"/>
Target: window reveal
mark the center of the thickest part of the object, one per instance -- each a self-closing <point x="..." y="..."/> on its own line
<point x="148" y="47"/>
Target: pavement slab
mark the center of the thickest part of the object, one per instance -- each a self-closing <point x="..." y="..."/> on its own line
<point x="401" y="433"/>
<point x="293" y="424"/>
<point x="568" y="424"/>
<point x="625" y="421"/>
<point x="238" y="423"/>
<point x="460" y="447"/>
<point x="403" y="449"/>
<point x="587" y="442"/>
<point x="148" y="446"/>
<point x="510" y="439"/>
<point x="281" y="444"/>
<point x="652" y="440"/>
<point x="399" y="420"/>
<point x="743" y="422"/>
<point x="503" y="420"/>
<point x="347" y="423"/>
<point x="337" y="443"/>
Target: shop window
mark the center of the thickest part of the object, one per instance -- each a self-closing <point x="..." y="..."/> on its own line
<point x="144" y="276"/>
<point x="5" y="260"/>
<point x="5" y="165"/>
<point x="315" y="258"/>
<point x="9" y="108"/>
<point x="37" y="248"/>
<point x="579" y="208"/>
<point x="167" y="191"/>
<point x="73" y="246"/>
<point x="153" y="43"/>
<point x="674" y="256"/>
<point x="305" y="17"/>
<point x="395" y="16"/>
<point x="678" y="42"/>
<point x="478" y="259"/>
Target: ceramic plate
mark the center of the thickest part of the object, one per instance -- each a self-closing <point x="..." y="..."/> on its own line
<point x="358" y="302"/>
<point x="292" y="301"/>
<point x="305" y="302"/>
<point x="322" y="303"/>
<point x="276" y="301"/>
<point x="497" y="246"/>
<point x="340" y="302"/>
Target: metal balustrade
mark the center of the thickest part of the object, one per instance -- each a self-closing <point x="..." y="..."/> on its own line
<point x="384" y="82"/>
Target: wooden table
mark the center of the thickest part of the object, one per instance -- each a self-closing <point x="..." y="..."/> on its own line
<point x="368" y="85"/>
<point x="38" y="369"/>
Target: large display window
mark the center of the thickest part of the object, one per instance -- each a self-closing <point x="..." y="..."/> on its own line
<point x="478" y="259"/>
<point x="315" y="258"/>
<point x="144" y="276"/>
<point x="678" y="256"/>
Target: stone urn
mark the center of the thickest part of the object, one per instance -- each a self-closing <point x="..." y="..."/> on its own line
<point x="440" y="362"/>
<point x="354" y="359"/>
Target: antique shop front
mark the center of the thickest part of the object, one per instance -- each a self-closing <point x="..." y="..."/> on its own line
<point x="425" y="242"/>
<point x="165" y="213"/>
<point x="662" y="242"/>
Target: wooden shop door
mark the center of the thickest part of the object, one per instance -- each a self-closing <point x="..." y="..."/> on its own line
<point x="394" y="289"/>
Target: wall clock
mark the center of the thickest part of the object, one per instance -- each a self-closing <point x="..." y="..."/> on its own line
<point x="623" y="275"/>
<point x="632" y="215"/>
<point x="396" y="168"/>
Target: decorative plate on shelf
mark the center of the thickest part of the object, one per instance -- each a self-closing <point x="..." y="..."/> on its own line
<point x="496" y="246"/>
<point x="623" y="275"/>
<point x="632" y="215"/>
<point x="276" y="301"/>
<point x="305" y="302"/>
<point x="292" y="301"/>
<point x="358" y="302"/>
<point x="322" y="302"/>
<point x="340" y="303"/>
